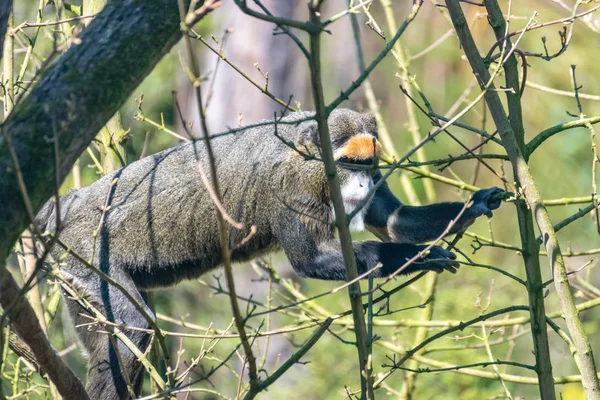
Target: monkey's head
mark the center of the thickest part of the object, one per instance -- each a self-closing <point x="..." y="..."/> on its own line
<point x="355" y="147"/>
<point x="353" y="136"/>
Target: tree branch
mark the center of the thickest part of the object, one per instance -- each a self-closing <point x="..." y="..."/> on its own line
<point x="584" y="356"/>
<point x="24" y="321"/>
<point x="80" y="92"/>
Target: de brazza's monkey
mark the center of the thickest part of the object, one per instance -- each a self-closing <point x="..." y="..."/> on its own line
<point x="160" y="226"/>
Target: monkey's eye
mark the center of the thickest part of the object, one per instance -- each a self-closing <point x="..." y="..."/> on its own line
<point x="367" y="162"/>
<point x="339" y="142"/>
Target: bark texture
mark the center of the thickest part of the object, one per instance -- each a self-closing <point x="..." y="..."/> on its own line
<point x="72" y="101"/>
<point x="77" y="96"/>
<point x="24" y="321"/>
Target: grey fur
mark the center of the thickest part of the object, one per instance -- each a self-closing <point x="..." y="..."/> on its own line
<point x="160" y="227"/>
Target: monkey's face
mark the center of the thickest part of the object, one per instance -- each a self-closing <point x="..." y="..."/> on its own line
<point x="356" y="150"/>
<point x="354" y="138"/>
<point x="356" y="147"/>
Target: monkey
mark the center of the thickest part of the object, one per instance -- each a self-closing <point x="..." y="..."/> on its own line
<point x="153" y="223"/>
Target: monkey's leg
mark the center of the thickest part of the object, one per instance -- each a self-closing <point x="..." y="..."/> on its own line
<point x="110" y="368"/>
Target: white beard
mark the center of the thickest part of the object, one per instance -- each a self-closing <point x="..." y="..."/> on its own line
<point x="354" y="191"/>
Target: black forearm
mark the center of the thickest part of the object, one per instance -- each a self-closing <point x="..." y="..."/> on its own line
<point x="328" y="263"/>
<point x="390" y="220"/>
<point x="422" y="224"/>
<point x="391" y="256"/>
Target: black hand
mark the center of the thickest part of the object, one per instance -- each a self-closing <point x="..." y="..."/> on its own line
<point x="437" y="259"/>
<point x="486" y="200"/>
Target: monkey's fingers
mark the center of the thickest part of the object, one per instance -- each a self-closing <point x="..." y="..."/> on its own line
<point x="441" y="265"/>
<point x="451" y="266"/>
<point x="501" y="195"/>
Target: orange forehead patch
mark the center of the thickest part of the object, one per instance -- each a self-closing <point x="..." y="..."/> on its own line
<point x="361" y="147"/>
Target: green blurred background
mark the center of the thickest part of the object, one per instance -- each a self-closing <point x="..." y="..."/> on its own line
<point x="561" y="168"/>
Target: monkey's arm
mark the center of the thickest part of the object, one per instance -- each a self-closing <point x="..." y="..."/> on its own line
<point x="390" y="220"/>
<point x="324" y="260"/>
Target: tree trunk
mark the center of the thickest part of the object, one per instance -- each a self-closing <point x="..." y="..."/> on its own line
<point x="77" y="96"/>
<point x="72" y="101"/>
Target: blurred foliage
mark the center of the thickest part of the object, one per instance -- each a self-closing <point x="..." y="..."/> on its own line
<point x="561" y="167"/>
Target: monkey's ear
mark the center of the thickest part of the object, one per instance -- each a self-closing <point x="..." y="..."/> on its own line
<point x="308" y="134"/>
<point x="370" y="123"/>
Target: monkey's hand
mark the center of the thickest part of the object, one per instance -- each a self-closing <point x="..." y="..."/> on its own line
<point x="486" y="200"/>
<point x="436" y="259"/>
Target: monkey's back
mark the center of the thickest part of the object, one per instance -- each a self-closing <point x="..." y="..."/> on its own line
<point x="159" y="223"/>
